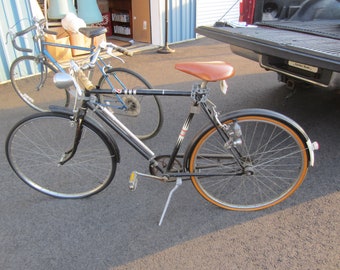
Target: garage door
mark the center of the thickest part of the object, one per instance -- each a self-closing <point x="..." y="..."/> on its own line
<point x="182" y="20"/>
<point x="210" y="11"/>
<point x="186" y="15"/>
<point x="16" y="14"/>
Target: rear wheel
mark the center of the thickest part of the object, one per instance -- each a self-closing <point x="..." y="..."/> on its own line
<point x="142" y="114"/>
<point x="273" y="162"/>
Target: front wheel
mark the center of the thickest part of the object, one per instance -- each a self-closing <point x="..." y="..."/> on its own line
<point x="271" y="164"/>
<point x="35" y="146"/>
<point x="32" y="80"/>
<point x="142" y="114"/>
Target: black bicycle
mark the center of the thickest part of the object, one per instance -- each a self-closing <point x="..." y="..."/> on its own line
<point x="245" y="160"/>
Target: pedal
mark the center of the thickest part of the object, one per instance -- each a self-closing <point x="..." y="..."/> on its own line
<point x="133" y="181"/>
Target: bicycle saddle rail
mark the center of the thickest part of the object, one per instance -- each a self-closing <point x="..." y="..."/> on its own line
<point x="207" y="71"/>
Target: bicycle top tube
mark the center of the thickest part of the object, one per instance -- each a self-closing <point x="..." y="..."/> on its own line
<point x="52" y="59"/>
<point x="89" y="32"/>
<point x="89" y="49"/>
<point x="144" y="92"/>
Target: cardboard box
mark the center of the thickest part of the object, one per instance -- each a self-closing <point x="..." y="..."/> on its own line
<point x="62" y="37"/>
<point x="99" y="39"/>
<point x="78" y="39"/>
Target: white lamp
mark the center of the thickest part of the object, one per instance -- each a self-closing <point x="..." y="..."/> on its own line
<point x="88" y="10"/>
<point x="57" y="9"/>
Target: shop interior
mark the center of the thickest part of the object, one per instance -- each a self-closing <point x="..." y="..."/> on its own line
<point x="127" y="21"/>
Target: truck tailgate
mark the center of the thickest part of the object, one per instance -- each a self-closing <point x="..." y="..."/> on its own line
<point x="289" y="41"/>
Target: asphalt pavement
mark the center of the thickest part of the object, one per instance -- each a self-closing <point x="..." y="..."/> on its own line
<point x="118" y="229"/>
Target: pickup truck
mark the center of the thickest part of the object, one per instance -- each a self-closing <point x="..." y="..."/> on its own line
<point x="297" y="39"/>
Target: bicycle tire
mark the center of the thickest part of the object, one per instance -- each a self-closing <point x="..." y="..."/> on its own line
<point x="276" y="156"/>
<point x="144" y="116"/>
<point x="36" y="144"/>
<point x="34" y="86"/>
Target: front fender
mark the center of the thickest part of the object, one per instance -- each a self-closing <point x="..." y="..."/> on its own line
<point x="69" y="112"/>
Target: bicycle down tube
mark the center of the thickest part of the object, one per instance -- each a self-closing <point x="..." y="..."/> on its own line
<point x="110" y="119"/>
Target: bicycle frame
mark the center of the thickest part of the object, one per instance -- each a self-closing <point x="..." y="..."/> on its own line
<point x="113" y="122"/>
<point x="45" y="52"/>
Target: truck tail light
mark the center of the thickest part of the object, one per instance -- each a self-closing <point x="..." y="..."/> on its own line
<point x="247" y="9"/>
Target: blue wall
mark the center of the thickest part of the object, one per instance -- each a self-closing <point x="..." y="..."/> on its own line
<point x="182" y="20"/>
<point x="14" y="14"/>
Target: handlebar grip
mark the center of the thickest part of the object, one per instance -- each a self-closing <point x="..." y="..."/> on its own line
<point x="47" y="31"/>
<point x="20" y="49"/>
<point x="124" y="51"/>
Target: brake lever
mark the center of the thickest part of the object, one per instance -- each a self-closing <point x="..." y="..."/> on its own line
<point x="109" y="52"/>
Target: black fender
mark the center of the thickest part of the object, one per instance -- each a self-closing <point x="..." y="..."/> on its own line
<point x="257" y="112"/>
<point x="92" y="121"/>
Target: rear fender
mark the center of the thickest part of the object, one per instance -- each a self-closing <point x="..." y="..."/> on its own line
<point x="311" y="146"/>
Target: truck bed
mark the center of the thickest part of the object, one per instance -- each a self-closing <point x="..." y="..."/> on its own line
<point x="314" y="43"/>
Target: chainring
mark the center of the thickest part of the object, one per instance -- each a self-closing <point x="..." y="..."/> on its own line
<point x="163" y="162"/>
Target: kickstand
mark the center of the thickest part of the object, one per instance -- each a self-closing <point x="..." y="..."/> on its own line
<point x="178" y="183"/>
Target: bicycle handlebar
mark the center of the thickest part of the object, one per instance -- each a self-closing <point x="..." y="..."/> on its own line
<point x="21" y="33"/>
<point x="47" y="31"/>
<point x="27" y="30"/>
<point x="110" y="46"/>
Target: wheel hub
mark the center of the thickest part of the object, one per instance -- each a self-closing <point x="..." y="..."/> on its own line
<point x="249" y="170"/>
<point x="132" y="104"/>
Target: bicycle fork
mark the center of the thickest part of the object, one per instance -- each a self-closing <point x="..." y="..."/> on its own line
<point x="43" y="75"/>
<point x="79" y="117"/>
